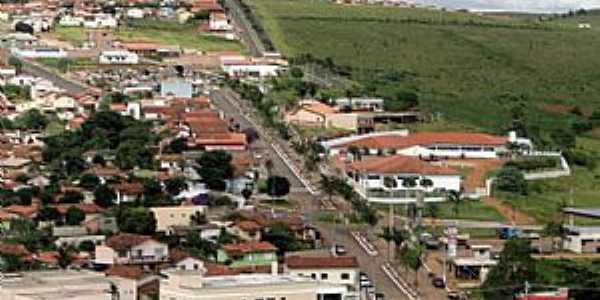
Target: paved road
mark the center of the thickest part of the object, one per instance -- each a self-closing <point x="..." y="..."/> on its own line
<point x="34" y="69"/>
<point x="245" y="29"/>
<point x="225" y="102"/>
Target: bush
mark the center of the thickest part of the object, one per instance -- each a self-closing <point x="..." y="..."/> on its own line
<point x="532" y="164"/>
<point x="580" y="158"/>
<point x="511" y="179"/>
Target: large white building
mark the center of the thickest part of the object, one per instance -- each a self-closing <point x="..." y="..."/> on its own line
<point x="400" y="179"/>
<point x="330" y="269"/>
<point x="427" y="144"/>
<point x="192" y="285"/>
<point x="56" y="285"/>
<point x="168" y="217"/>
<point x="582" y="239"/>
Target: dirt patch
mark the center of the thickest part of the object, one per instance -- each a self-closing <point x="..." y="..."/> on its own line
<point x="512" y="215"/>
<point x="558" y="108"/>
<point x="475" y="171"/>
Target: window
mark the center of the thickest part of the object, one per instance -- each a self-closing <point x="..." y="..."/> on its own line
<point x="324" y="276"/>
<point x="122" y="253"/>
<point x="373" y="177"/>
<point x="313" y="276"/>
<point x="345" y="276"/>
<point x="158" y="251"/>
<point x="282" y="298"/>
<point x="195" y="266"/>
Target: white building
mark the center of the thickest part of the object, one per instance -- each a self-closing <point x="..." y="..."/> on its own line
<point x="40" y="53"/>
<point x="100" y="21"/>
<point x="362" y="104"/>
<point x="401" y="179"/>
<point x="249" y="68"/>
<point x="331" y="269"/>
<point x="582" y="239"/>
<point x="55" y="285"/>
<point x="135" y="13"/>
<point x="169" y="216"/>
<point x="192" y="285"/>
<point x="427" y="144"/>
<point x="218" y="21"/>
<point x="126" y="248"/>
<point x="71" y="21"/>
<point x="118" y="57"/>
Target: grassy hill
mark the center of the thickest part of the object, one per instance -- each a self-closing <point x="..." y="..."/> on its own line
<point x="462" y="65"/>
<point x="473" y="70"/>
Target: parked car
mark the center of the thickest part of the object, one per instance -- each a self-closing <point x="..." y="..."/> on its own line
<point x="338" y="249"/>
<point x="379" y="296"/>
<point x="438" y="282"/>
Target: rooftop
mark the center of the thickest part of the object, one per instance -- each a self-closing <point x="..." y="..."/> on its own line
<point x="399" y="164"/>
<point x="323" y="262"/>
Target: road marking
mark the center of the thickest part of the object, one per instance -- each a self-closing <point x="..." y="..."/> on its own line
<point x="399" y="282"/>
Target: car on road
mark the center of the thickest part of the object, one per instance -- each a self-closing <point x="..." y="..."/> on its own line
<point x="338" y="249"/>
<point x="438" y="282"/>
<point x="379" y="296"/>
<point x="363" y="276"/>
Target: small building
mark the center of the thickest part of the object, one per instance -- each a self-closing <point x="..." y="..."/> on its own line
<point x="176" y="89"/>
<point x="100" y="20"/>
<point x="218" y="21"/>
<point x="133" y="282"/>
<point x="14" y="165"/>
<point x="310" y="113"/>
<point x="247" y="230"/>
<point x="47" y="52"/>
<point x="118" y="57"/>
<point x="169" y="216"/>
<point x="135" y="13"/>
<point x="359" y="104"/>
<point x="254" y="256"/>
<point x="582" y="239"/>
<point x="342" y="270"/>
<point x="194" y="285"/>
<point x="127" y="248"/>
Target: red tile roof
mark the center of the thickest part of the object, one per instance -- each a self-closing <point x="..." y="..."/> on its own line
<point x="399" y="164"/>
<point x="87" y="208"/>
<point x="47" y="257"/>
<point x="125" y="241"/>
<point x="326" y="262"/>
<point x="141" y="46"/>
<point x="218" y="270"/>
<point x="15" y="249"/>
<point x="249" y="226"/>
<point x="427" y="139"/>
<point x="249" y="247"/>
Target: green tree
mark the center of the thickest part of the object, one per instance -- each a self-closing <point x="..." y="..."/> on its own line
<point x="175" y="185"/>
<point x="74" y="216"/>
<point x="65" y="256"/>
<point x="327" y="186"/>
<point x="32" y="119"/>
<point x="48" y="213"/>
<point x="136" y="220"/>
<point x="511" y="179"/>
<point x="89" y="181"/>
<point x="563" y="139"/>
<point x="177" y="145"/>
<point x="104" y="196"/>
<point x="283" y="238"/>
<point x="71" y="197"/>
<point x="215" y="167"/>
<point x="455" y="199"/>
<point x="15" y="63"/>
<point x="412" y="258"/>
<point x="514" y="267"/>
<point x="278" y="186"/>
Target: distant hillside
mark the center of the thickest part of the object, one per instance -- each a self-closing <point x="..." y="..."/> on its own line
<point x="472" y="69"/>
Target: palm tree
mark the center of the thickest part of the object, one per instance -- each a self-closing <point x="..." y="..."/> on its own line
<point x="425" y="184"/>
<point x="455" y="198"/>
<point x="412" y="258"/>
<point x="395" y="236"/>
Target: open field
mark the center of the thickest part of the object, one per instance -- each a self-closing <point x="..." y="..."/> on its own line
<point x="165" y="33"/>
<point x="475" y="210"/>
<point x="465" y="66"/>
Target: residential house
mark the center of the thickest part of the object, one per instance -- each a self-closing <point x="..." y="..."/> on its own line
<point x="238" y="68"/>
<point x="169" y="216"/>
<point x="183" y="261"/>
<point x="128" y="192"/>
<point x="133" y="283"/>
<point x="402" y="179"/>
<point x="474" y="267"/>
<point x="176" y="88"/>
<point x="127" y="248"/>
<point x="13" y="165"/>
<point x="331" y="269"/>
<point x="100" y="20"/>
<point x="359" y="104"/>
<point x="218" y="21"/>
<point x="250" y="256"/>
<point x="39" y="52"/>
<point x="311" y="113"/>
<point x="246" y="230"/>
<point x="581" y="239"/>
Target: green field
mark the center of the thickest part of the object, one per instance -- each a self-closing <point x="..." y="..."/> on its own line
<point x="465" y="66"/>
<point x="165" y="33"/>
<point x="474" y="210"/>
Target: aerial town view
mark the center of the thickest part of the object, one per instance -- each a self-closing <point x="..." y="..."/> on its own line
<point x="299" y="149"/>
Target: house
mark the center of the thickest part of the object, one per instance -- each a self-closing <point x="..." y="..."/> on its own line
<point x="582" y="239"/>
<point x="210" y="231"/>
<point x="402" y="179"/>
<point x="359" y="104"/>
<point x="118" y="57"/>
<point x="135" y="13"/>
<point x="476" y="266"/>
<point x="133" y="282"/>
<point x="356" y="122"/>
<point x="182" y="261"/>
<point x="58" y="284"/>
<point x="193" y="285"/>
<point x="247" y="230"/>
<point x="342" y="270"/>
<point x="71" y="21"/>
<point x="560" y="294"/>
<point x="14" y="165"/>
<point x="100" y="20"/>
<point x="218" y="21"/>
<point x="253" y="256"/>
<point x="237" y="68"/>
<point x="127" y="248"/>
<point x="128" y="192"/>
<point x="310" y="113"/>
<point x="141" y="48"/>
<point x="176" y="88"/>
<point x="426" y="144"/>
<point x="169" y="216"/>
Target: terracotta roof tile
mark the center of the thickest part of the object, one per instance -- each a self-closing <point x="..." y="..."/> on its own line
<point x="249" y="226"/>
<point x="125" y="241"/>
<point x="400" y="164"/>
<point x="249" y="247"/>
<point x="325" y="262"/>
<point x="427" y="139"/>
<point x="15" y="249"/>
<point x="130" y="272"/>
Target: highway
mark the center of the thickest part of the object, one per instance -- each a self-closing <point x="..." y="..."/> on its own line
<point x="59" y="81"/>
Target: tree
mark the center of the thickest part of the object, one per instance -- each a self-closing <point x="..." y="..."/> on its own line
<point x="23" y="231"/>
<point x="32" y="119"/>
<point x="136" y="220"/>
<point x="282" y="237"/>
<point x="104" y="196"/>
<point x="512" y="180"/>
<point x="296" y="72"/>
<point x="395" y="236"/>
<point x="74" y="216"/>
<point x="455" y="198"/>
<point x="514" y="267"/>
<point x="48" y="213"/>
<point x="24" y="27"/>
<point x="15" y="63"/>
<point x="65" y="256"/>
<point x="177" y="145"/>
<point x="71" y="197"/>
<point x="215" y="167"/>
<point x="563" y="139"/>
<point x="247" y="193"/>
<point x="327" y="186"/>
<point x="175" y="185"/>
<point x="11" y="263"/>
<point x="198" y="218"/>
<point x="24" y="195"/>
<point x="89" y="181"/>
<point x="278" y="186"/>
<point x="412" y="258"/>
